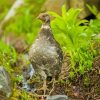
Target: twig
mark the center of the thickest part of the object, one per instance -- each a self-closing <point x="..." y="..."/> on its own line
<point x="11" y="12"/>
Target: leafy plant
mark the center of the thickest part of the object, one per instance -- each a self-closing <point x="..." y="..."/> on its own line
<point x="94" y="10"/>
<point x="7" y="56"/>
<point x="19" y="78"/>
<point x="74" y="36"/>
<point x="69" y="28"/>
<point x="93" y="28"/>
<point x="94" y="24"/>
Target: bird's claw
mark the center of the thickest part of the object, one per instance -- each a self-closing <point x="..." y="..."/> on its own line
<point x="53" y="85"/>
<point x="44" y="89"/>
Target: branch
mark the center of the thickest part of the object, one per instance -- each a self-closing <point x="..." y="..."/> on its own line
<point x="12" y="12"/>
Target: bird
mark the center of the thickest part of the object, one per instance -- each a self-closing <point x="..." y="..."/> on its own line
<point x="46" y="54"/>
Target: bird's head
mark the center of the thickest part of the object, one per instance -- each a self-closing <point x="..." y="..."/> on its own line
<point x="44" y="17"/>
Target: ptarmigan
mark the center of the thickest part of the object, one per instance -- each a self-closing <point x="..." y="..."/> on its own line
<point x="45" y="53"/>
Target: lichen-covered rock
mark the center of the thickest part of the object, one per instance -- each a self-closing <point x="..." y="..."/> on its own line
<point x="5" y="84"/>
<point x="55" y="5"/>
<point x="82" y="5"/>
<point x="57" y="97"/>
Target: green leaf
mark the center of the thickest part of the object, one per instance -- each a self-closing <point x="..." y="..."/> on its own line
<point x="55" y="15"/>
<point x="93" y="9"/>
<point x="64" y="12"/>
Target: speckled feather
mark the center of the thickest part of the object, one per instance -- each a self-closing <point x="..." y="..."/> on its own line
<point x="45" y="53"/>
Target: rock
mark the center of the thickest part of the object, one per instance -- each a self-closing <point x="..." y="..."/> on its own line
<point x="28" y="74"/>
<point x="5" y="84"/>
<point x="53" y="5"/>
<point x="49" y="5"/>
<point x="82" y="4"/>
<point x="57" y="97"/>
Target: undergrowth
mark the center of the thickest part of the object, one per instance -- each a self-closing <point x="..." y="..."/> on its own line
<point x="75" y="37"/>
<point x="8" y="56"/>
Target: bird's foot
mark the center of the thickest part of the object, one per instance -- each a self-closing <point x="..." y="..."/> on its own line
<point x="44" y="89"/>
<point x="53" y="86"/>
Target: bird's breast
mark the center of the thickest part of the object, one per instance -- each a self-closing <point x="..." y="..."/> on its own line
<point x="43" y="50"/>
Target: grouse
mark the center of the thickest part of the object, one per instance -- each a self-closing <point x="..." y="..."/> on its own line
<point x="45" y="53"/>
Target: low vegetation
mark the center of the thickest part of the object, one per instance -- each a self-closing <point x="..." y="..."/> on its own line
<point x="78" y="39"/>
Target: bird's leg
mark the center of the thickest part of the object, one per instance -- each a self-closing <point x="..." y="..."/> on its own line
<point x="53" y="84"/>
<point x="44" y="88"/>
